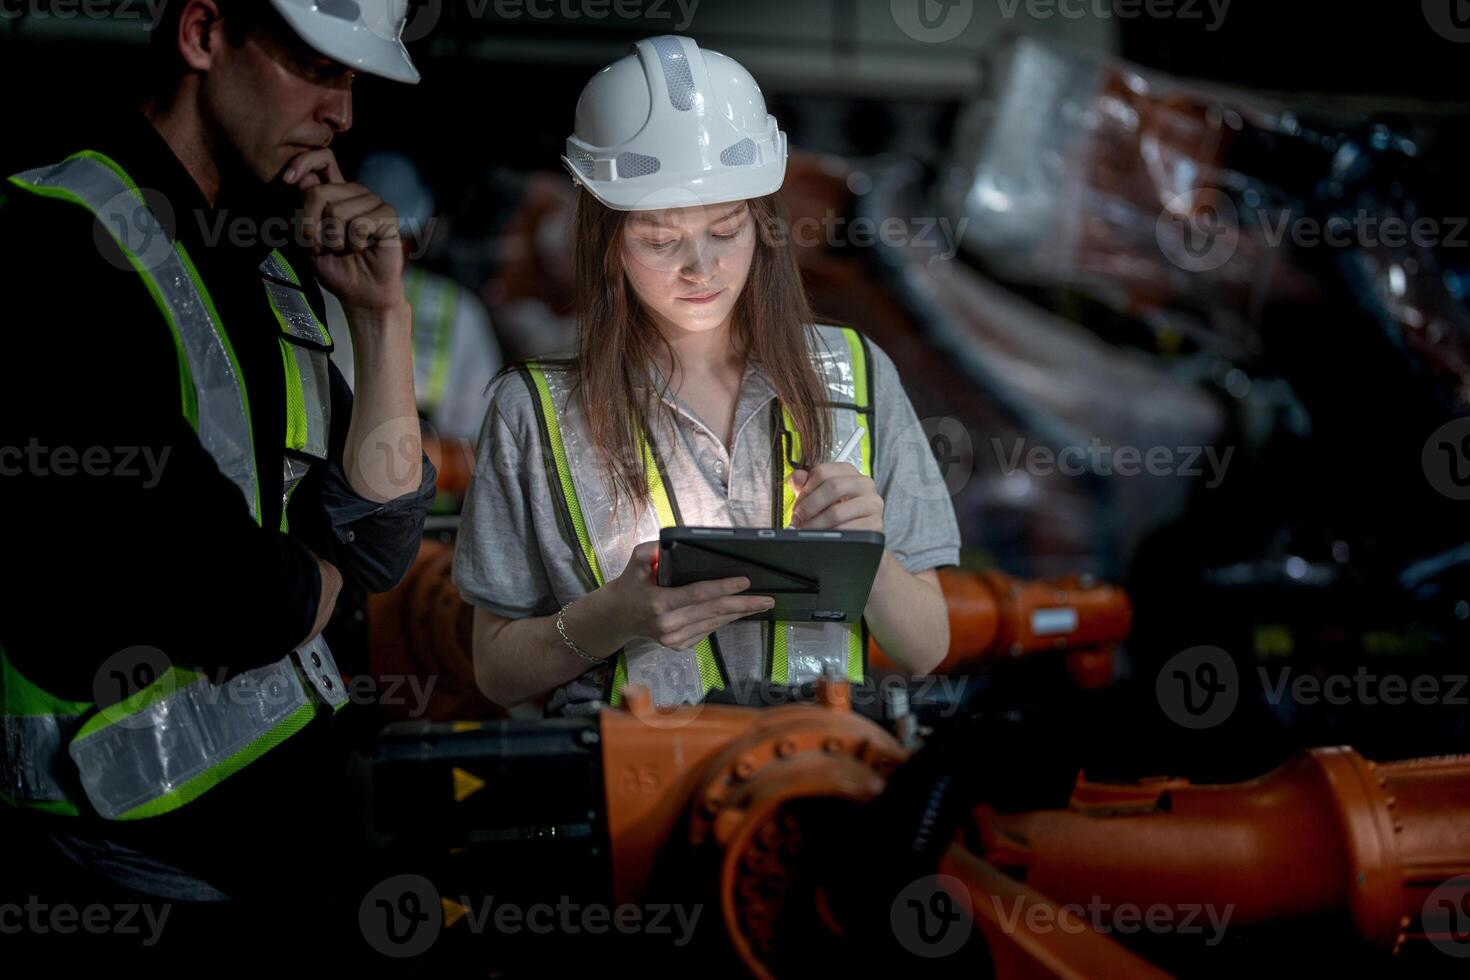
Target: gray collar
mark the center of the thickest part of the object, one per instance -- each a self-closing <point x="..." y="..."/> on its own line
<point x="755" y="393"/>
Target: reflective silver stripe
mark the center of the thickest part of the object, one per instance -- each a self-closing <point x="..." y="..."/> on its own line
<point x="224" y="426"/>
<point x="143" y="756"/>
<point x="293" y="311"/>
<point x="833" y="360"/>
<point x="275" y="264"/>
<point x="812" y="648"/>
<point x="298" y="320"/>
<point x="295" y="314"/>
<point x="677" y="76"/>
<point x="28" y="768"/>
<point x="293" y="471"/>
<point x="316" y="395"/>
<point x="671" y="675"/>
<point x="321" y="671"/>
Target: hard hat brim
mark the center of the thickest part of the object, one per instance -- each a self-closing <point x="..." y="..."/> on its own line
<point x="661" y="191"/>
<point x="356" y="47"/>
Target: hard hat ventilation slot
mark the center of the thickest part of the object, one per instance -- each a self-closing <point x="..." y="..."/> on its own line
<point x="583" y="161"/>
<point x="347" y="10"/>
<point x="637" y="165"/>
<point x="741" y="154"/>
<point x="676" y="72"/>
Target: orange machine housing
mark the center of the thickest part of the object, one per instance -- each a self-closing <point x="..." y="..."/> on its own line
<point x="993" y="616"/>
<point x="1327" y="833"/>
<point x="718" y="791"/>
<point x="422" y="629"/>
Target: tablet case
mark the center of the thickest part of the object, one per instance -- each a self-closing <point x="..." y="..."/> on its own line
<point x="814" y="576"/>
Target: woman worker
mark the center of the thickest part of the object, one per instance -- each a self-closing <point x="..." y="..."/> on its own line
<point x="701" y="393"/>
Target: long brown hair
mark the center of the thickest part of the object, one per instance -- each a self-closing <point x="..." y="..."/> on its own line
<point x="616" y="341"/>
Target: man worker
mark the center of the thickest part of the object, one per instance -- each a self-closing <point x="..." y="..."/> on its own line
<point x="197" y="478"/>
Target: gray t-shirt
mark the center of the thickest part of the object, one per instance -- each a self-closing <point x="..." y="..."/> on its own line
<point x="513" y="559"/>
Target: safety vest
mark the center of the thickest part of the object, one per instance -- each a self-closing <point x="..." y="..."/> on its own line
<point x="794" y="652"/>
<point x="435" y="301"/>
<point x="182" y="734"/>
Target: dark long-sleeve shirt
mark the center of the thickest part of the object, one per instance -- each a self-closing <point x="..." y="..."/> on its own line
<point x="120" y="529"/>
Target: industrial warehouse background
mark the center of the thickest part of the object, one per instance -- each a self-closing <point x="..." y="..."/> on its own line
<point x="524" y="487"/>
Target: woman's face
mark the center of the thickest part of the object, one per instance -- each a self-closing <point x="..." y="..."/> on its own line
<point x="688" y="265"/>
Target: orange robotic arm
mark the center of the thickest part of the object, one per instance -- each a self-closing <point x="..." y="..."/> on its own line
<point x="992" y="615"/>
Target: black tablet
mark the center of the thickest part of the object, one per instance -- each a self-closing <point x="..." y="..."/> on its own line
<point x="814" y="576"/>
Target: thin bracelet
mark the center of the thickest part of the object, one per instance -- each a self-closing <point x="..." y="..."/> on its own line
<point x="561" y="627"/>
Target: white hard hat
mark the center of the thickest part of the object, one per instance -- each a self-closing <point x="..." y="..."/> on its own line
<point x="361" y="34"/>
<point x="670" y="125"/>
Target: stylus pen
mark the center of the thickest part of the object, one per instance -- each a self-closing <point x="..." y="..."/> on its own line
<point x="849" y="446"/>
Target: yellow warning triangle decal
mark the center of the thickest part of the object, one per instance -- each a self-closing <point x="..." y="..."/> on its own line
<point x="465" y="783"/>
<point x="453" y="912"/>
